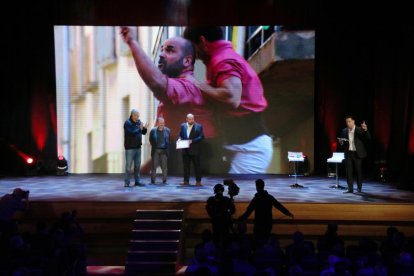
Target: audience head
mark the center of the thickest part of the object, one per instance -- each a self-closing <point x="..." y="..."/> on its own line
<point x="391" y="231"/>
<point x="260" y="185"/>
<point x="20" y="193"/>
<point x="219" y="189"/>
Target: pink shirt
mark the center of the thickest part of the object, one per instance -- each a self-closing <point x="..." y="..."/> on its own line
<point x="225" y="63"/>
<point x="183" y="97"/>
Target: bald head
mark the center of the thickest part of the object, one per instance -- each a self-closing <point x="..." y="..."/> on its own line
<point x="190" y="119"/>
<point x="186" y="47"/>
<point x="177" y="56"/>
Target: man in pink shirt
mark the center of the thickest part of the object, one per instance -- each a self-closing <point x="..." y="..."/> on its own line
<point x="171" y="83"/>
<point x="237" y="92"/>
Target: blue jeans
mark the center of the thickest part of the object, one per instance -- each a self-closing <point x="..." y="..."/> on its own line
<point x="135" y="156"/>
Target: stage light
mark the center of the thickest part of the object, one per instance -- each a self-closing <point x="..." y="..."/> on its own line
<point x="29" y="165"/>
<point x="61" y="166"/>
<point x="32" y="166"/>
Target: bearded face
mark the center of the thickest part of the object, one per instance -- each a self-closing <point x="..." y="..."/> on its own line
<point x="172" y="69"/>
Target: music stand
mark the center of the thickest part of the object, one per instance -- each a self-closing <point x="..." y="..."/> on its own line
<point x="337" y="158"/>
<point x="295" y="157"/>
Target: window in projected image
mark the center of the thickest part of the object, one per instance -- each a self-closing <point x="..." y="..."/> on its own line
<point x="97" y="85"/>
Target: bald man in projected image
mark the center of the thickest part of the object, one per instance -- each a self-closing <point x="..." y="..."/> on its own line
<point x="170" y="81"/>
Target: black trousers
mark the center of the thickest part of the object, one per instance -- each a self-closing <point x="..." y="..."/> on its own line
<point x="353" y="167"/>
<point x="187" y="160"/>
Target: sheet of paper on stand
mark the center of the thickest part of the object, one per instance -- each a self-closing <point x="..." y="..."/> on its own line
<point x="337" y="157"/>
<point x="295" y="156"/>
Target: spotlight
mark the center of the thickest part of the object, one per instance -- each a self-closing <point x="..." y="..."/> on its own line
<point x="32" y="167"/>
<point x="61" y="166"/>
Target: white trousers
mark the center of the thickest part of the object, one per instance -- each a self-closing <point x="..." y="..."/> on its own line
<point x="253" y="157"/>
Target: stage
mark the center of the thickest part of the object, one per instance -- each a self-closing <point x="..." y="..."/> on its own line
<point x="107" y="209"/>
<point x="109" y="187"/>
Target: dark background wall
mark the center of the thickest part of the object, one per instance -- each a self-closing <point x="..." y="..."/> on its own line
<point x="364" y="66"/>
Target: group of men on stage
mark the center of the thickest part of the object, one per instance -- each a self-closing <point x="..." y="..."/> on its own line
<point x="159" y="139"/>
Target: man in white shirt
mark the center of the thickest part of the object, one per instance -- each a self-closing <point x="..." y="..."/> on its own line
<point x="352" y="139"/>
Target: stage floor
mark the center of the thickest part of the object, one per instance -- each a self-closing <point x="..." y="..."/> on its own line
<point x="109" y="187"/>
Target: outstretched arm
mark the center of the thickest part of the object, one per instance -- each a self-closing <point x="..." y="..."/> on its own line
<point x="281" y="208"/>
<point x="150" y="74"/>
<point x="249" y="210"/>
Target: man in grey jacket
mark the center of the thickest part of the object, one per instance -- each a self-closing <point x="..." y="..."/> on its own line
<point x="159" y="139"/>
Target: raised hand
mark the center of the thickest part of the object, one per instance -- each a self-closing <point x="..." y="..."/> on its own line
<point x="364" y="126"/>
<point x="127" y="33"/>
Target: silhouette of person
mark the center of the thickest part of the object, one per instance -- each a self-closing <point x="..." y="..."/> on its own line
<point x="220" y="209"/>
<point x="262" y="204"/>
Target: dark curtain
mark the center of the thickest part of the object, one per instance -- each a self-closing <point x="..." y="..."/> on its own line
<point x="367" y="72"/>
<point x="28" y="104"/>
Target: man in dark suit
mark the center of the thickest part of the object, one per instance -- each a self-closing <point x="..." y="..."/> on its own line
<point x="193" y="132"/>
<point x="352" y="139"/>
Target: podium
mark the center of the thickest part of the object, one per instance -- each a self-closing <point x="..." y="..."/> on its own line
<point x="337" y="158"/>
<point x="295" y="157"/>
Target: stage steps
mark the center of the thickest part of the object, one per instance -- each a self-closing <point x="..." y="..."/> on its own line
<point x="154" y="248"/>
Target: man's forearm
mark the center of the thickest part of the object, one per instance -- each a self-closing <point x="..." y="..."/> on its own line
<point x="219" y="94"/>
<point x="151" y="75"/>
<point x="229" y="92"/>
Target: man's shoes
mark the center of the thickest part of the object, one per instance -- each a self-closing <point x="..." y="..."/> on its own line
<point x="198" y="183"/>
<point x="185" y="183"/>
<point x="164" y="181"/>
<point x="152" y="181"/>
<point x="138" y="184"/>
<point x="349" y="192"/>
<point x="359" y="190"/>
<point x="126" y="185"/>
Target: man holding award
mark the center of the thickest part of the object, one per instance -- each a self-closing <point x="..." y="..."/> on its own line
<point x="189" y="141"/>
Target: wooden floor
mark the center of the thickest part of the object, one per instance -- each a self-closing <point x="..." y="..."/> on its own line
<point x="108" y="224"/>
